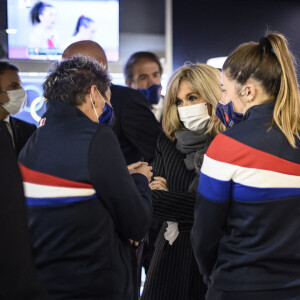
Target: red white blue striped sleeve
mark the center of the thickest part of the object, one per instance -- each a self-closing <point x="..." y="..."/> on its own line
<point x="43" y="189"/>
<point x="234" y="171"/>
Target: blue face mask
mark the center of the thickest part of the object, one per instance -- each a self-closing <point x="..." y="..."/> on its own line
<point x="152" y="93"/>
<point x="227" y="115"/>
<point x="107" y="115"/>
<point x="226" y="112"/>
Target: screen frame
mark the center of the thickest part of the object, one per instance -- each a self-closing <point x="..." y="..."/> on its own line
<point x="3" y="33"/>
<point x="5" y="38"/>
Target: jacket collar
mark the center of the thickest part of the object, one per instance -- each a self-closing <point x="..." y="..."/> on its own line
<point x="63" y="109"/>
<point x="260" y="111"/>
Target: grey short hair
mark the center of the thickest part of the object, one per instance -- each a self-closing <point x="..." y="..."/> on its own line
<point x="70" y="80"/>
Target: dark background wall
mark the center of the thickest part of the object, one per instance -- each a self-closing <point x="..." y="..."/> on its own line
<point x="142" y="27"/>
<point x="203" y="29"/>
<point x="142" y="16"/>
<point x="3" y="22"/>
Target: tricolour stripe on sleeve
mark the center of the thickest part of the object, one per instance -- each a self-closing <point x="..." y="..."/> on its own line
<point x="43" y="189"/>
<point x="220" y="181"/>
<point x="252" y="194"/>
<point x="56" y="201"/>
<point x="214" y="189"/>
<point x="248" y="176"/>
<point x="228" y="150"/>
<point x="32" y="176"/>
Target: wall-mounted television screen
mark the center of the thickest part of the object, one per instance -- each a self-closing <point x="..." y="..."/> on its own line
<point x="41" y="30"/>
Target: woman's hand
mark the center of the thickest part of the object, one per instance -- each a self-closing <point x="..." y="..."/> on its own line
<point x="142" y="168"/>
<point x="159" y="183"/>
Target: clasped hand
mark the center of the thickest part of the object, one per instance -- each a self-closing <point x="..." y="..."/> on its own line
<point x="142" y="168"/>
<point x="159" y="183"/>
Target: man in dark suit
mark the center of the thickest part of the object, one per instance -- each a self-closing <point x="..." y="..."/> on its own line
<point x="135" y="125"/>
<point x="18" y="277"/>
<point x="12" y="100"/>
<point x="21" y="132"/>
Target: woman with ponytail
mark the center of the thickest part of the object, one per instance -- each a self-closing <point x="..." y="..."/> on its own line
<point x="43" y="35"/>
<point x="246" y="230"/>
<point x="84" y="30"/>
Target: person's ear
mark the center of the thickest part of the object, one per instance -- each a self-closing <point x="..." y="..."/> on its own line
<point x="95" y="95"/>
<point x="249" y="92"/>
<point x="128" y="83"/>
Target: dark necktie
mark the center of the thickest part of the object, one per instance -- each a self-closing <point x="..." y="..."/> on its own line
<point x="4" y="131"/>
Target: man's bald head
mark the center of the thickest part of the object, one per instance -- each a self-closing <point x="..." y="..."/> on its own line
<point x="86" y="48"/>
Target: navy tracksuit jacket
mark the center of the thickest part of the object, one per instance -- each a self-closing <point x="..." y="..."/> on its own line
<point x="83" y="206"/>
<point x="246" y="233"/>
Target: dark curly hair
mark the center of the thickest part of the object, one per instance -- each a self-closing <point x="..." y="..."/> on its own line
<point x="71" y="80"/>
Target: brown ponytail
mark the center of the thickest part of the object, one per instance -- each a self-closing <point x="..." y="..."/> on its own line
<point x="270" y="63"/>
<point x="286" y="111"/>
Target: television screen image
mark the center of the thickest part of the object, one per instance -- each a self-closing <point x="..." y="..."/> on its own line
<point x="35" y="105"/>
<point x="41" y="30"/>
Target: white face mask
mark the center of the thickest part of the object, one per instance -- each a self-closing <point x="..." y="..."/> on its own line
<point x="16" y="101"/>
<point x="194" y="117"/>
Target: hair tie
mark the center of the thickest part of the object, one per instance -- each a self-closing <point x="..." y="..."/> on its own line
<point x="266" y="44"/>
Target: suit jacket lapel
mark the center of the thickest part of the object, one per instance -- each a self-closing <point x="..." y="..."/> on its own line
<point x="16" y="133"/>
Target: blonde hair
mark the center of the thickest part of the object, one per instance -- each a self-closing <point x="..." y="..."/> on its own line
<point x="272" y="64"/>
<point x="203" y="80"/>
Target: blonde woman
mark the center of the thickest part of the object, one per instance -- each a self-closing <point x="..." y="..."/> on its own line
<point x="247" y="216"/>
<point x="189" y="124"/>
